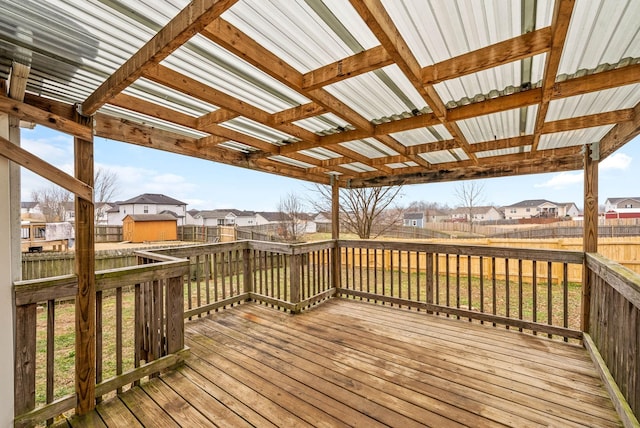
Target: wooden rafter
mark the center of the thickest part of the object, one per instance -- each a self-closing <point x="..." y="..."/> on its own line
<point x="33" y="163"/>
<point x="360" y="63"/>
<point x="188" y="22"/>
<point x="146" y="136"/>
<point x="621" y="134"/>
<point x="234" y="40"/>
<point x="559" y="29"/>
<point x="470" y="172"/>
<point x="526" y="45"/>
<point x="36" y="115"/>
<point x="375" y="16"/>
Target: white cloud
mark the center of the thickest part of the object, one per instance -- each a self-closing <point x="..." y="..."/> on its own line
<point x="562" y="180"/>
<point x="618" y="161"/>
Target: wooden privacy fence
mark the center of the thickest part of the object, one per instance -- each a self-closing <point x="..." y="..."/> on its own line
<point x="614" y="326"/>
<point x="526" y="289"/>
<point x="46" y="265"/>
<point x="144" y="306"/>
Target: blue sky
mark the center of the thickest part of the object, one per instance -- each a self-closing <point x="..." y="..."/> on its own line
<point x="207" y="185"/>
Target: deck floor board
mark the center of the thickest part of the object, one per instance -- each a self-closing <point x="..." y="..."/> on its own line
<point x="352" y="363"/>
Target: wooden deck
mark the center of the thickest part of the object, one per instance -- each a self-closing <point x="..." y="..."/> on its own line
<point x="349" y="363"/>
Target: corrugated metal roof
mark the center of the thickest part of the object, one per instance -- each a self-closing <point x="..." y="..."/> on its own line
<point x="74" y="45"/>
<point x="502" y="152"/>
<point x="499" y="125"/>
<point x="573" y="138"/>
<point x="601" y="32"/>
<point x="595" y="102"/>
<point x="422" y="135"/>
<point x="437" y="30"/>
<point x="370" y="147"/>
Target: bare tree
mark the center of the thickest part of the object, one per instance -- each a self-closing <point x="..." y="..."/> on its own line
<point x="470" y="195"/>
<point x="293" y="217"/>
<point x="105" y="186"/>
<point x="53" y="201"/>
<point x="367" y="212"/>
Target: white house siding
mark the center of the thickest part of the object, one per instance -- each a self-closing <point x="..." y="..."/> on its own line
<point x="133" y="209"/>
<point x="7" y="274"/>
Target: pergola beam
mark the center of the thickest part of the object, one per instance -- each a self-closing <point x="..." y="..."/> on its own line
<point x="188" y="22"/>
<point x="559" y="27"/>
<point x="355" y="65"/>
<point x="33" y="163"/>
<point x="524" y="46"/>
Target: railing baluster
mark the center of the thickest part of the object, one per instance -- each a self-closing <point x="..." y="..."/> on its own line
<point x="520" y="314"/>
<point x="469" y="300"/>
<point x="198" y="284"/>
<point x="207" y="278"/>
<point x="507" y="288"/>
<point x="448" y="281"/>
<point x="119" y="332"/>
<point x="51" y="329"/>
<point x="534" y="284"/>
<point x="549" y="295"/>
<point x="98" y="340"/>
<point x="481" y="269"/>
<point x="493" y="287"/>
<point x="458" y="282"/>
<point x="565" y="297"/>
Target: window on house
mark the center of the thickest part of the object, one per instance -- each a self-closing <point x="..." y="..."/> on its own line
<point x="513" y="211"/>
<point x="628" y="206"/>
<point x="414" y="222"/>
<point x="528" y="210"/>
<point x="146" y="209"/>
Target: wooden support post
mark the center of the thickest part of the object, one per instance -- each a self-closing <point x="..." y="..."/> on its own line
<point x="247" y="272"/>
<point x="25" y="356"/>
<point x="174" y="314"/>
<point x="295" y="262"/>
<point x="590" y="235"/>
<point x="335" y="233"/>
<point x="85" y="270"/>
<point x="430" y="279"/>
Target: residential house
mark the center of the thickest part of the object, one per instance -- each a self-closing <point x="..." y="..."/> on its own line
<point x="190" y="218"/>
<point x="482" y="213"/>
<point x="30" y="208"/>
<point x="568" y="209"/>
<point x="413" y="219"/>
<point x="225" y="217"/>
<point x="434" y="215"/>
<point x="539" y="208"/>
<point x="148" y="203"/>
<point x="614" y="204"/>
<point x="628" y="207"/>
<point x="270" y="217"/>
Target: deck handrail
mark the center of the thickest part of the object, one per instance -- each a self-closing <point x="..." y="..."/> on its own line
<point x="512" y="287"/>
<point x="164" y="277"/>
<point x="473" y="282"/>
<point x="614" y="331"/>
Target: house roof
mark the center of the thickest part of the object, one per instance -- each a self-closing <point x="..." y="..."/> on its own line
<point x="377" y="92"/>
<point x="222" y="213"/>
<point x="474" y="211"/>
<point x="28" y="205"/>
<point x="151" y="217"/>
<point x="615" y="201"/>
<point x="413" y="216"/>
<point x="152" y="198"/>
<point x="273" y="216"/>
<point x="530" y="203"/>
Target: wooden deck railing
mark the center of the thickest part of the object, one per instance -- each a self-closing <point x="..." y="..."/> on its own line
<point x="534" y="291"/>
<point x="614" y="330"/>
<point x="290" y="277"/>
<point x="518" y="288"/>
<point x="139" y="308"/>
